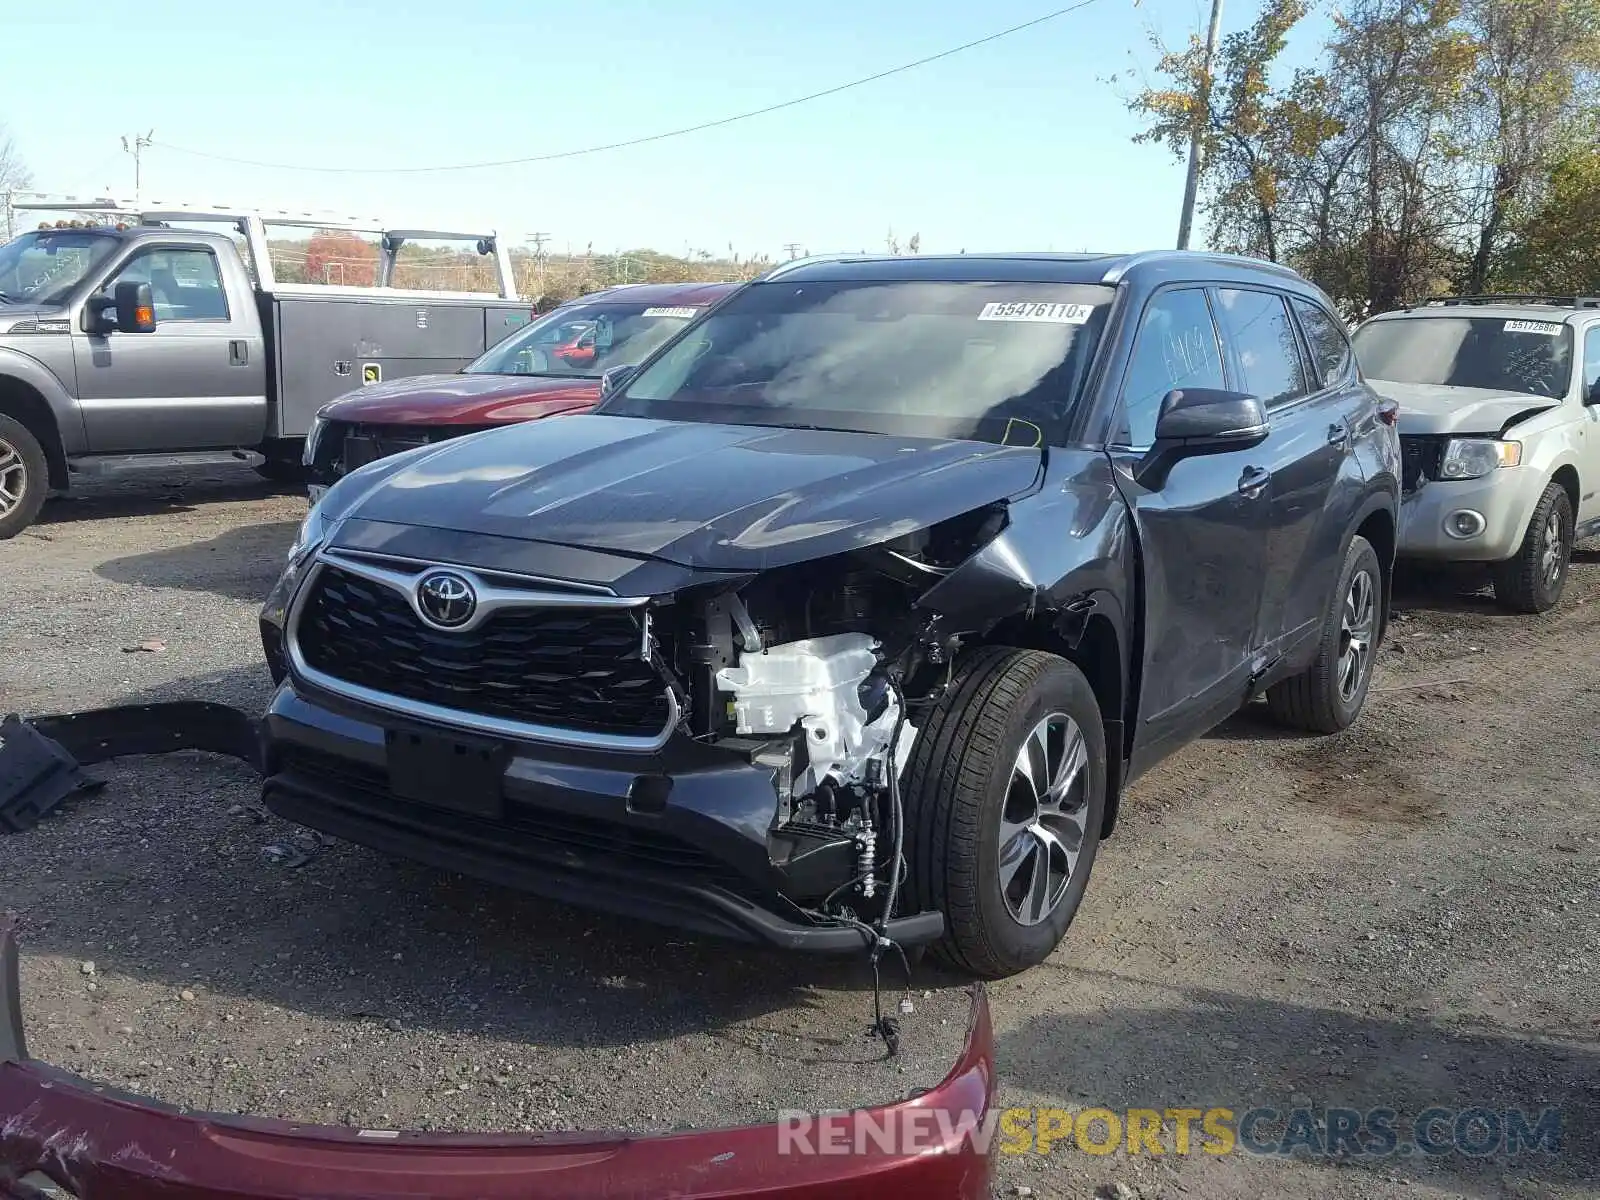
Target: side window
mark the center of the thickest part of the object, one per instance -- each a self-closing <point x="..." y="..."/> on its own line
<point x="1176" y="347"/>
<point x="185" y="284"/>
<point x="1591" y="365"/>
<point x="1264" y="345"/>
<point x="1330" y="351"/>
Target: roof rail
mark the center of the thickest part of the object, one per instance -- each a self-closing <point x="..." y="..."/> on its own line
<point x="1517" y="298"/>
<point x="1117" y="273"/>
<point x="811" y="260"/>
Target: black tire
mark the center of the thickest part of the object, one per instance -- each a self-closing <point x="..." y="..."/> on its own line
<point x="24" y="477"/>
<point x="1319" y="700"/>
<point x="958" y="788"/>
<point x="1532" y="579"/>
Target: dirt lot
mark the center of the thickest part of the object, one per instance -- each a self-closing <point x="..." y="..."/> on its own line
<point x="1404" y="916"/>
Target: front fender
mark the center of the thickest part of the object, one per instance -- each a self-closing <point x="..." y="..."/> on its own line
<point x="31" y="371"/>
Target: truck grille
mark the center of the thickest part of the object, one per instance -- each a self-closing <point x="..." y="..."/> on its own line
<point x="574" y="669"/>
<point x="1420" y="456"/>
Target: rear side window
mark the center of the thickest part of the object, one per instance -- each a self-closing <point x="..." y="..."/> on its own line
<point x="1330" y="351"/>
<point x="1591" y="365"/>
<point x="1258" y="330"/>
<point x="1176" y="348"/>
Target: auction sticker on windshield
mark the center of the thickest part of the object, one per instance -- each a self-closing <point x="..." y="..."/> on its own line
<point x="683" y="311"/>
<point x="1547" y="328"/>
<point x="1037" y="310"/>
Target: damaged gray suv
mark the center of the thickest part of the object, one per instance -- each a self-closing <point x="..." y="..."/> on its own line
<point x="848" y="616"/>
<point x="1499" y="431"/>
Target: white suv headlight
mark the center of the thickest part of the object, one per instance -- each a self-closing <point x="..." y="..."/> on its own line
<point x="1473" y="458"/>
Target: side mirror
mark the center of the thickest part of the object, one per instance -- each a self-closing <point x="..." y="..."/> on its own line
<point x="136" y="308"/>
<point x="614" y="379"/>
<point x="1196" y="421"/>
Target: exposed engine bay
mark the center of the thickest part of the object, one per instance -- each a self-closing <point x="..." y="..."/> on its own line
<point x="819" y="672"/>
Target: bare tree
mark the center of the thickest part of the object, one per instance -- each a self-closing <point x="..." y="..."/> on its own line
<point x="14" y="176"/>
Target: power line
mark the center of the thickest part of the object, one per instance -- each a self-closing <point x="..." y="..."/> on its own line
<point x="654" y="137"/>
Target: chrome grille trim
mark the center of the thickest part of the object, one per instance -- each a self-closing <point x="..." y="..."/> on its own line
<point x="402" y="582"/>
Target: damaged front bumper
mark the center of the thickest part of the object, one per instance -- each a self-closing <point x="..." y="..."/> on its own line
<point x="63" y="1136"/>
<point x="679" y="837"/>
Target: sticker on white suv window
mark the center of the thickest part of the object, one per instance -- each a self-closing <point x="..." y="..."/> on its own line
<point x="684" y="311"/>
<point x="1037" y="310"/>
<point x="1547" y="328"/>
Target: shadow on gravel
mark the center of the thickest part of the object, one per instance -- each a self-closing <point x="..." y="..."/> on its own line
<point x="1217" y="1049"/>
<point x="240" y="564"/>
<point x="143" y="496"/>
<point x="171" y="882"/>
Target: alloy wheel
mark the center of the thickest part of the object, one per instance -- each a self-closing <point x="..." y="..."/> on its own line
<point x="1044" y="824"/>
<point x="1357" y="623"/>
<point x="13" y="477"/>
<point x="1550" y="549"/>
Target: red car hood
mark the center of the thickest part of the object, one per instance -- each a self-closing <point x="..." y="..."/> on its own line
<point x="464" y="400"/>
<point x="102" y="1143"/>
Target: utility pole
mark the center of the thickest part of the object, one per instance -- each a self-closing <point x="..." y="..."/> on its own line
<point x="538" y="240"/>
<point x="140" y="143"/>
<point x="1191" y="184"/>
<point x="794" y="250"/>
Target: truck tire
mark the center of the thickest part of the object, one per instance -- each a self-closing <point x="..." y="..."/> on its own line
<point x="1328" y="695"/>
<point x="1532" y="579"/>
<point x="1005" y="795"/>
<point x="24" y="477"/>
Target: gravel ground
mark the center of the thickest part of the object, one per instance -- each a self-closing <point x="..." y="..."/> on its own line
<point x="1401" y="916"/>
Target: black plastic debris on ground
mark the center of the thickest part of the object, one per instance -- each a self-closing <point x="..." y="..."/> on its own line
<point x="40" y="759"/>
<point x="36" y="774"/>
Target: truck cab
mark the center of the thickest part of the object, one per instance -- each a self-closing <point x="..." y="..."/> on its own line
<point x="133" y="340"/>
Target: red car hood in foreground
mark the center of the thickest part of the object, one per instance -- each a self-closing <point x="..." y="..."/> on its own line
<point x="464" y="400"/>
<point x="100" y="1143"/>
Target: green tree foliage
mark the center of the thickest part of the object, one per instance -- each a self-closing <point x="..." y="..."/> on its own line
<point x="1411" y="159"/>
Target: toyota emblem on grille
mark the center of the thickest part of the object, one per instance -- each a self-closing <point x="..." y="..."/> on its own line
<point x="446" y="599"/>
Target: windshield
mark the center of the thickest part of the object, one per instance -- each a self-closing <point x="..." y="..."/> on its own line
<point x="1000" y="362"/>
<point x="585" y="340"/>
<point x="44" y="267"/>
<point x="1495" y="353"/>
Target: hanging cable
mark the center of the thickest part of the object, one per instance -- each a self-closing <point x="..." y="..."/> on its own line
<point x="641" y="141"/>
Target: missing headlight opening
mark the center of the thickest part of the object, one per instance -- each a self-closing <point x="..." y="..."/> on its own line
<point x="818" y="672"/>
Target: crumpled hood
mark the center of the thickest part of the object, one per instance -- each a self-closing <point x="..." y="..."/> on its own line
<point x="724" y="497"/>
<point x="463" y="399"/>
<point x="1433" y="408"/>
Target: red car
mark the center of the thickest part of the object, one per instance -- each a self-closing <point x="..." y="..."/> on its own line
<point x="63" y="1136"/>
<point x="550" y="367"/>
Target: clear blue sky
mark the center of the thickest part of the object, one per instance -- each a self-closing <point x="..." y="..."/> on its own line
<point x="1018" y="144"/>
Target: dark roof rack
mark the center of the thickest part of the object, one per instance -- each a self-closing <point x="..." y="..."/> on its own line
<point x="1553" y="301"/>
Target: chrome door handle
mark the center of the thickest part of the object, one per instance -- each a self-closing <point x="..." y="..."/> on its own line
<point x="1253" y="482"/>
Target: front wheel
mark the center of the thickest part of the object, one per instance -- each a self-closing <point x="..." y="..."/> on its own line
<point x="1005" y="797"/>
<point x="24" y="477"/>
<point x="1532" y="579"/>
<point x="1327" y="696"/>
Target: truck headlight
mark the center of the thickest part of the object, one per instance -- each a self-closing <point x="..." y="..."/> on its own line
<point x="1473" y="458"/>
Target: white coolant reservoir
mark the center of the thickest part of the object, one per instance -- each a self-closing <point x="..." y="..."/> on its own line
<point x="814" y="682"/>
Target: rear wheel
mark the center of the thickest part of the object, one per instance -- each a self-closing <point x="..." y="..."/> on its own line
<point x="24" y="477"/>
<point x="1005" y="797"/>
<point x="1532" y="580"/>
<point x="1328" y="695"/>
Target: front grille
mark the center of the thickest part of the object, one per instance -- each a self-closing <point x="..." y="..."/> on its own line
<point x="532" y="831"/>
<point x="1420" y="456"/>
<point x="351" y="446"/>
<point x="574" y="669"/>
